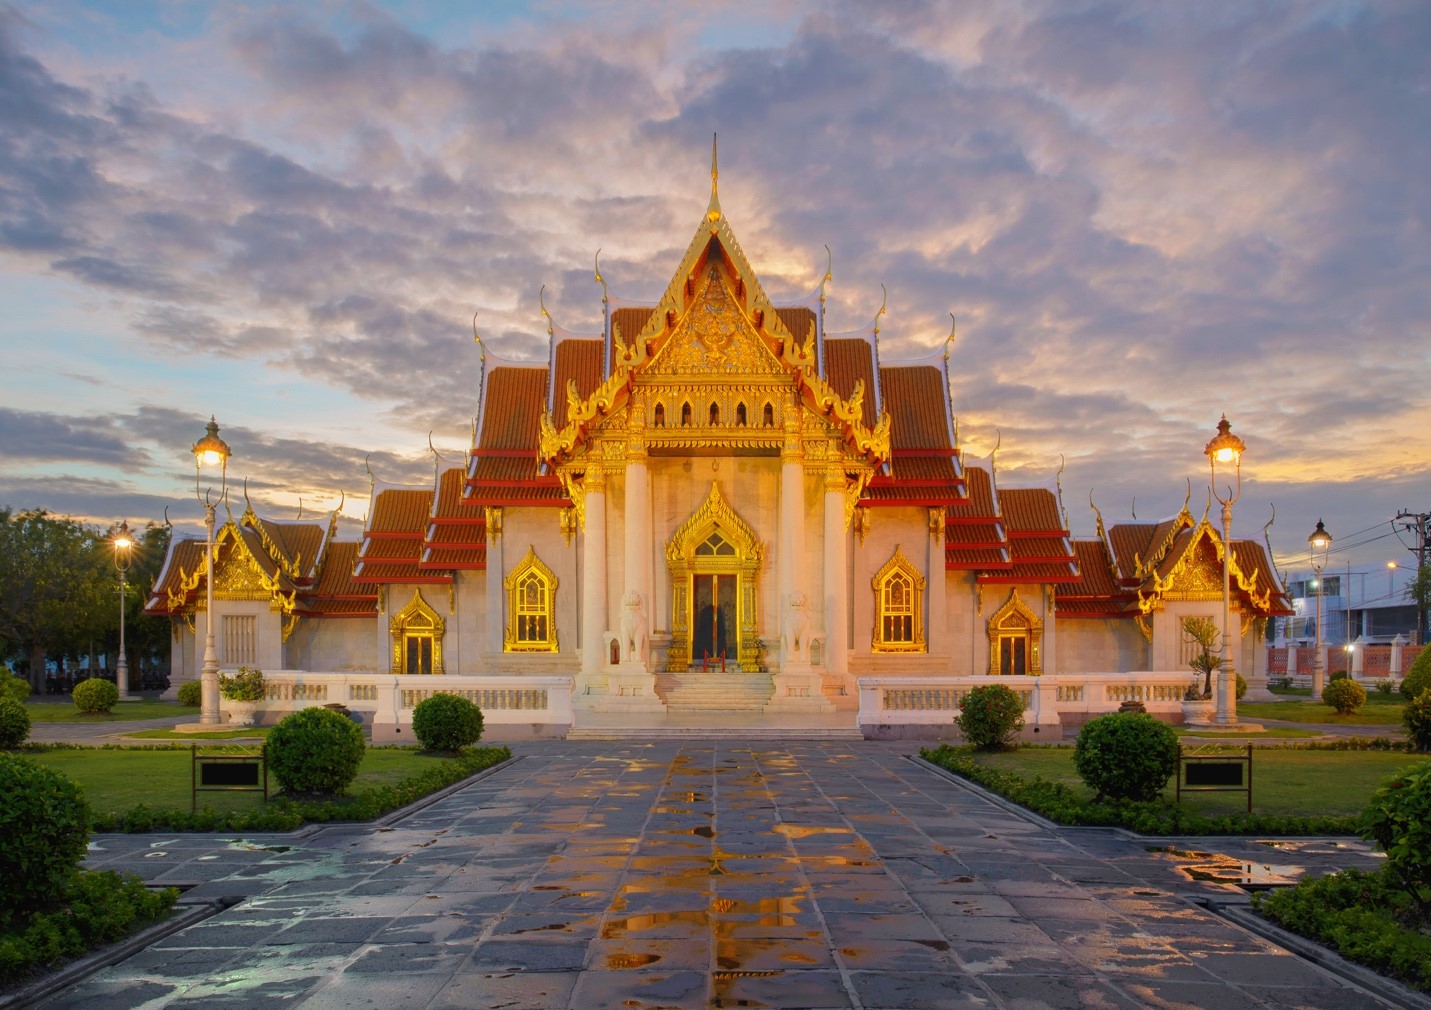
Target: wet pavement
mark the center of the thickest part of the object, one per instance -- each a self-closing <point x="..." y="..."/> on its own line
<point x="697" y="874"/>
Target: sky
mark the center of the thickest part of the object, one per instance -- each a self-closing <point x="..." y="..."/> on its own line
<point x="1142" y="215"/>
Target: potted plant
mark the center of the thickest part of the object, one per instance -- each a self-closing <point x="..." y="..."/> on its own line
<point x="243" y="691"/>
<point x="1198" y="703"/>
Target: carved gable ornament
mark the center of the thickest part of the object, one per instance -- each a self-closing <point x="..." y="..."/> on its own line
<point x="714" y="338"/>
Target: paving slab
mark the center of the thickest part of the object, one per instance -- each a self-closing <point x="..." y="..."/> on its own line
<point x="699" y="874"/>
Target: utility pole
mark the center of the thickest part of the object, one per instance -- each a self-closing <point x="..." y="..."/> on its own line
<point x="1418" y="523"/>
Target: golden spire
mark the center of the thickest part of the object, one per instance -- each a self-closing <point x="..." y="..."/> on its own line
<point x="713" y="210"/>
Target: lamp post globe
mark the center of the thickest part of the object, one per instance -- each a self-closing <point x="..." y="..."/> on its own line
<point x="122" y="546"/>
<point x="210" y="452"/>
<point x="1225" y="450"/>
<point x="1318" y="545"/>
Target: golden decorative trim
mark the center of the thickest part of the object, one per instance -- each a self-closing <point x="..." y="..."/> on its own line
<point x="493" y="516"/>
<point x="714" y="517"/>
<point x="938" y="515"/>
<point x="293" y="569"/>
<point x="568" y="521"/>
<point x="860" y="518"/>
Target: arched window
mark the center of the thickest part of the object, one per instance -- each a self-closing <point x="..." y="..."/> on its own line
<point x="417" y="632"/>
<point x="899" y="606"/>
<point x="715" y="414"/>
<point x="531" y="607"/>
<point x="1015" y="640"/>
<point x="740" y="414"/>
<point x="659" y="417"/>
<point x="768" y="417"/>
<point x="685" y="415"/>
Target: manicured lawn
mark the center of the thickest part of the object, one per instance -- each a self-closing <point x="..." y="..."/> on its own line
<point x="1284" y="782"/>
<point x="251" y="733"/>
<point x="124" y="711"/>
<point x="1270" y="732"/>
<point x="1379" y="710"/>
<point x="119" y="779"/>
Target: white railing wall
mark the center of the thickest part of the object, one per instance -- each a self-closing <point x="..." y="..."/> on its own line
<point x="1049" y="701"/>
<point x="386" y="701"/>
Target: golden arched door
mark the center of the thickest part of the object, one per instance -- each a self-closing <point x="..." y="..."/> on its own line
<point x="713" y="561"/>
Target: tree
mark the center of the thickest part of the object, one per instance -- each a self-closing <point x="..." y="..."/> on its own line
<point x="53" y="590"/>
<point x="1418" y="591"/>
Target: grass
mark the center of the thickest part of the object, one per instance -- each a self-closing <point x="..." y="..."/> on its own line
<point x="118" y="779"/>
<point x="124" y="711"/>
<point x="1379" y="710"/>
<point x="1284" y="782"/>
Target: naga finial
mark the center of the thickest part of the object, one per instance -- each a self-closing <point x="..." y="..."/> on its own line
<point x="1058" y="482"/>
<point x="169" y="525"/>
<point x="1102" y="532"/>
<point x="542" y="300"/>
<point x="884" y="302"/>
<point x="949" y="340"/>
<point x="481" y="347"/>
<point x="599" y="279"/>
<point x="300" y="509"/>
<point x="372" y="477"/>
<point x="829" y="273"/>
<point x="436" y="458"/>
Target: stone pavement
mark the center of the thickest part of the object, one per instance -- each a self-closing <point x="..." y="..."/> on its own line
<point x="820" y="874"/>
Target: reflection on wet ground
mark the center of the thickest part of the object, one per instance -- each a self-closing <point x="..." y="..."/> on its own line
<point x="705" y="875"/>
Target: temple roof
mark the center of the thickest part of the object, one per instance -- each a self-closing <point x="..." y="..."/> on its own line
<point x="393" y="542"/>
<point x="456" y="535"/>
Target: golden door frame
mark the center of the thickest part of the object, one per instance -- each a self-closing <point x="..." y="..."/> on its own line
<point x="714" y="516"/>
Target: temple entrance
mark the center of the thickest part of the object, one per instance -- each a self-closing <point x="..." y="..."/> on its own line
<point x="713" y="560"/>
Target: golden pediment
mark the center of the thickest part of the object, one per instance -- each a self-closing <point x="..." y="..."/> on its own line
<point x="714" y="338"/>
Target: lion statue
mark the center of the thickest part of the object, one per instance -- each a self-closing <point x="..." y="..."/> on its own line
<point x="633" y="628"/>
<point x="796" y="641"/>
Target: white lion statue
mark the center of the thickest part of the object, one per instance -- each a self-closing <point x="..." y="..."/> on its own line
<point x="796" y="641"/>
<point x="633" y="628"/>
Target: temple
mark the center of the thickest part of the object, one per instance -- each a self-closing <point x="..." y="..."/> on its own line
<point x="713" y="504"/>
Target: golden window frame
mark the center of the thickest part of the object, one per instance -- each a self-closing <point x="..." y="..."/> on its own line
<point x="531" y="606"/>
<point x="414" y="621"/>
<point x="898" y="594"/>
<point x="1013" y="620"/>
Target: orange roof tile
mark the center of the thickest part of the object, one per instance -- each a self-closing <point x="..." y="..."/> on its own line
<point x="577" y="361"/>
<point x="918" y="406"/>
<point x="297" y="542"/>
<point x="848" y="360"/>
<point x="511" y="412"/>
<point x="400" y="510"/>
<point x="979" y="490"/>
<point x="1030" y="510"/>
<point x="798" y="320"/>
<point x="628" y="321"/>
<point x="185" y="557"/>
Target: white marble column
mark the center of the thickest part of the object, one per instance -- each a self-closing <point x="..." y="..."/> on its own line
<point x="632" y="688"/>
<point x="936" y="588"/>
<point x="595" y="615"/>
<point x="798" y="687"/>
<point x="837" y="580"/>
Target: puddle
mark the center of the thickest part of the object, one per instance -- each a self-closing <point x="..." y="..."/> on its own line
<point x="620" y="961"/>
<point x="651" y="920"/>
<point x="1218" y="868"/>
<point x="799" y="831"/>
<point x="250" y="847"/>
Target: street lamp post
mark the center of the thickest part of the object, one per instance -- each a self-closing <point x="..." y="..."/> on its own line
<point x="122" y="545"/>
<point x="1318" y="544"/>
<point x="210" y="451"/>
<point x="1226" y="449"/>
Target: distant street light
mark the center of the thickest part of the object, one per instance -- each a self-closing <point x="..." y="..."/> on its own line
<point x="1226" y="449"/>
<point x="210" y="451"/>
<point x="122" y="546"/>
<point x="1319" y="543"/>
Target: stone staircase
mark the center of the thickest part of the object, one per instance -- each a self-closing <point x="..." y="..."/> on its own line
<point x="698" y="691"/>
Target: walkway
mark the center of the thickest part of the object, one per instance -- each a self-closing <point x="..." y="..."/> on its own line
<point x="820" y="874"/>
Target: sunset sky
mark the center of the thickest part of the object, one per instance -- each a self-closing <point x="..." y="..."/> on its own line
<point x="1142" y="215"/>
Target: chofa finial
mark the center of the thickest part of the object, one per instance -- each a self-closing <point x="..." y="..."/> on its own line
<point x="713" y="209"/>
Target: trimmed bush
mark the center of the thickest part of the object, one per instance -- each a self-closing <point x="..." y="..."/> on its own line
<point x="1398" y="818"/>
<point x="44" y="828"/>
<point x="14" y="722"/>
<point x="446" y="722"/>
<point x="1337" y="675"/>
<point x="1345" y="695"/>
<point x="1241" y="686"/>
<point x="13" y="686"/>
<point x="991" y="716"/>
<point x="1416" y="717"/>
<point x="245" y="685"/>
<point x="315" y="752"/>
<point x="95" y="696"/>
<point x="1126" y="755"/>
<point x="1418" y="678"/>
<point x="191" y="692"/>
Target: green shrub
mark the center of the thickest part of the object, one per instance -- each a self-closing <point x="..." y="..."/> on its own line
<point x="1416" y="717"/>
<point x="245" y="685"/>
<point x="1384" y="686"/>
<point x="1345" y="695"/>
<point x="1337" y="675"/>
<point x="1365" y="917"/>
<point x="991" y="716"/>
<point x="1126" y="755"/>
<point x="14" y="722"/>
<point x="16" y="687"/>
<point x="44" y="829"/>
<point x="1241" y="685"/>
<point x="191" y="692"/>
<point x="1398" y="818"/>
<point x="95" y="696"/>
<point x="1418" y="678"/>
<point x="315" y="752"/>
<point x="446" y="722"/>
